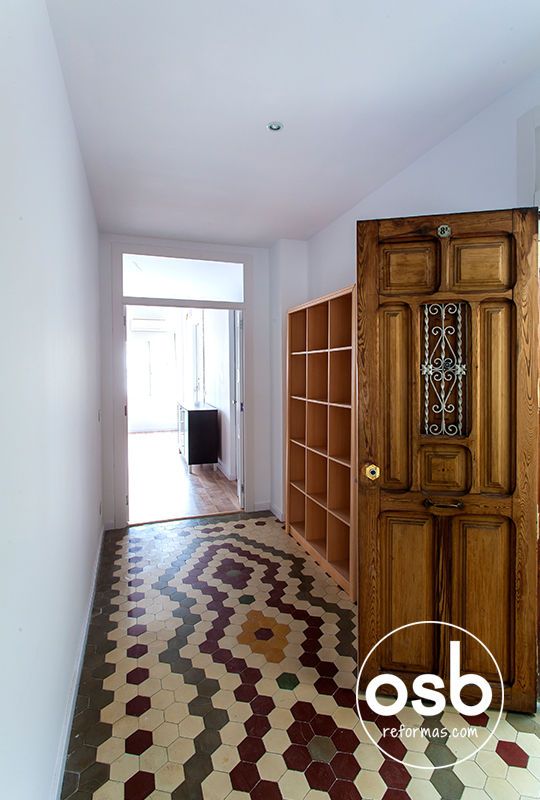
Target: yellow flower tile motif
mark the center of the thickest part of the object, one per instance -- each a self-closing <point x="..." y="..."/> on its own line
<point x="265" y="635"/>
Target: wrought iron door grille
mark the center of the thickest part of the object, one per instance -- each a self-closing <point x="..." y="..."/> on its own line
<point x="444" y="368"/>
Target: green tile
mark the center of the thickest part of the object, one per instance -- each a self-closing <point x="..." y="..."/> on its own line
<point x="287" y="681"/>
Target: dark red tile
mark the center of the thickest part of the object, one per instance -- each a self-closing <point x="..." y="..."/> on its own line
<point x="266" y="790"/>
<point x="257" y="726"/>
<point x="139" y="786"/>
<point x="138" y="742"/>
<point x="394" y="775"/>
<point x="251" y="749"/>
<point x="136" y="630"/>
<point x="137" y="675"/>
<point x="251" y="675"/>
<point x="311" y="646"/>
<point x="262" y="705"/>
<point x="134" y="597"/>
<point x="263" y="634"/>
<point x="222" y="656"/>
<point x="345" y="740"/>
<point x="479" y="719"/>
<point x="393" y="746"/>
<point x="135" y="582"/>
<point x="309" y="659"/>
<point x="303" y="711"/>
<point x="345" y="698"/>
<point x="326" y="669"/>
<point x="137" y="706"/>
<point x="320" y="776"/>
<point x="344" y="790"/>
<point x="325" y="685"/>
<point x="297" y="757"/>
<point x="367" y="714"/>
<point x="345" y="766"/>
<point x="137" y="650"/>
<point x="244" y="777"/>
<point x="323" y="725"/>
<point x="395" y="794"/>
<point x="136" y="612"/>
<point x="245" y="693"/>
<point x="300" y="732"/>
<point x="512" y="754"/>
<point x="235" y="665"/>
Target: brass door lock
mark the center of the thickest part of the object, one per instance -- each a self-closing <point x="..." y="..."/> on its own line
<point x="372" y="472"/>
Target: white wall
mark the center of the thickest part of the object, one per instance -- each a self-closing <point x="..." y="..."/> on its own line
<point x="257" y="364"/>
<point x="217" y="381"/>
<point x="50" y="465"/>
<point x="474" y="169"/>
<point x="288" y="287"/>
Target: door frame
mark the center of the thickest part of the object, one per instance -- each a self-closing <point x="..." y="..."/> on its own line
<point x="118" y="377"/>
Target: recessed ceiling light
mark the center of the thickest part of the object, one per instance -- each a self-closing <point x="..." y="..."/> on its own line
<point x="275" y="126"/>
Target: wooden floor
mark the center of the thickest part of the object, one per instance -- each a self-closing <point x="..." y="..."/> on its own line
<point x="160" y="486"/>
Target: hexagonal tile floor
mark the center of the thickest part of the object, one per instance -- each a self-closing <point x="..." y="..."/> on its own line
<point x="220" y="664"/>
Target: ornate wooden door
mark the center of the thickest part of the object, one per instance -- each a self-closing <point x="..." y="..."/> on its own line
<point x="448" y="412"/>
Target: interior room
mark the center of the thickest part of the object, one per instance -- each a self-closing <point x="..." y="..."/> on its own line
<point x="372" y="171"/>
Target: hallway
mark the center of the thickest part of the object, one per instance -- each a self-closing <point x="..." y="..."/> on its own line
<point x="220" y="664"/>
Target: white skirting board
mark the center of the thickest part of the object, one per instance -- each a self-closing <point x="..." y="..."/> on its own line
<point x="58" y="774"/>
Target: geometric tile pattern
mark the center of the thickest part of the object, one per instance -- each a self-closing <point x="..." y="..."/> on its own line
<point x="220" y="663"/>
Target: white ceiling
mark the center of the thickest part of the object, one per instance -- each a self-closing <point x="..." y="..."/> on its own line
<point x="171" y="99"/>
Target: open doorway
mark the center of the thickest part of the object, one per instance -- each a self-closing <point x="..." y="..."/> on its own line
<point x="184" y="393"/>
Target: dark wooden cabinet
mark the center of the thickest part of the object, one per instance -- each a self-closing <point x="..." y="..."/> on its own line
<point x="198" y="433"/>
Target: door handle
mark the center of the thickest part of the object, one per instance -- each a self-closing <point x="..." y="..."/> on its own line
<point x="372" y="472"/>
<point x="431" y="504"/>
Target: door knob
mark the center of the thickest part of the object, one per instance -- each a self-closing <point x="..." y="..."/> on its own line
<point x="372" y="472"/>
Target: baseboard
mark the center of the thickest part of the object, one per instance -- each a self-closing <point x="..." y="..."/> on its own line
<point x="277" y="512"/>
<point x="261" y="506"/>
<point x="58" y="774"/>
<point x="230" y="476"/>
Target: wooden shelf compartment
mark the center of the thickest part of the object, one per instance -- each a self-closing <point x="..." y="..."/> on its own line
<point x="297" y="420"/>
<point x="339" y="490"/>
<point x="316" y="526"/>
<point x="297" y="375"/>
<point x="317" y="426"/>
<point x="339" y="545"/>
<point x="297" y="466"/>
<point x="316" y="477"/>
<point x="297" y="331"/>
<point x="340" y="386"/>
<point x="297" y="510"/>
<point x="317" y="327"/>
<point x="340" y="322"/>
<point x="317" y="376"/>
<point x="339" y="433"/>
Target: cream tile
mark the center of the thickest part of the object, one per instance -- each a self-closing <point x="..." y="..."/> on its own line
<point x="474" y="794"/>
<point x="153" y="758"/>
<point x="166" y="734"/>
<point x="524" y="781"/>
<point x="280" y="718"/>
<point x="293" y="785"/>
<point x="276" y="741"/>
<point x="162" y="699"/>
<point x="528" y="742"/>
<point x="370" y="784"/>
<point x="190" y="727"/>
<point x="369" y="756"/>
<point x="271" y="767"/>
<point x="151" y="719"/>
<point x="124" y="767"/>
<point x="499" y="789"/>
<point x="110" y="750"/>
<point x="112" y="790"/>
<point x="239" y="712"/>
<point x="125" y="727"/>
<point x="470" y="774"/>
<point x="419" y="789"/>
<point x="181" y="750"/>
<point x="492" y="764"/>
<point x="225" y="758"/>
<point x="169" y="777"/>
<point x="176" y="712"/>
<point x="185" y="693"/>
<point x="113" y="712"/>
<point x="233" y="733"/>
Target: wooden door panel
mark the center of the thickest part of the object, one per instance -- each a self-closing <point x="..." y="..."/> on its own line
<point x="483" y="590"/>
<point x="496" y="396"/>
<point x="448" y="408"/>
<point x="445" y="468"/>
<point x="481" y="263"/>
<point x="408" y="570"/>
<point x="409" y="268"/>
<point x="395" y="381"/>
